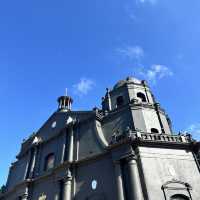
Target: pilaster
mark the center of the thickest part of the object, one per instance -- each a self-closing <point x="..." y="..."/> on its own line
<point x="119" y="180"/>
<point x="134" y="186"/>
<point x="67" y="186"/>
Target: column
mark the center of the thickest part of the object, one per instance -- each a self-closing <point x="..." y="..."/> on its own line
<point x="57" y="190"/>
<point x="134" y="185"/>
<point x="56" y="197"/>
<point x="25" y="195"/>
<point x="26" y="174"/>
<point x="145" y="89"/>
<point x="67" y="186"/>
<point x="64" y="146"/>
<point x="119" y="180"/>
<point x="159" y="118"/>
<point x="67" y="181"/>
<point x="71" y="143"/>
<point x="33" y="162"/>
<point x="109" y="100"/>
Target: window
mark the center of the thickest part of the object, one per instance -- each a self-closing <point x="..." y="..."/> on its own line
<point x="141" y="96"/>
<point x="120" y="101"/>
<point x="49" y="161"/>
<point x="179" y="197"/>
<point x="154" y="130"/>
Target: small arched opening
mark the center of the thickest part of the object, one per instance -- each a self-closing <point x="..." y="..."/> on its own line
<point x="179" y="197"/>
<point x="141" y="96"/>
<point x="154" y="130"/>
<point x="119" y="101"/>
<point x="49" y="161"/>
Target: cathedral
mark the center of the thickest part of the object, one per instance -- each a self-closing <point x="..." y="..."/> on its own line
<point x="125" y="150"/>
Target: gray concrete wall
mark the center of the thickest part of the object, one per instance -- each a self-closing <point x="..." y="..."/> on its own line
<point x="134" y="89"/>
<point x="46" y="131"/>
<point x="151" y="119"/>
<point x="102" y="171"/>
<point x="122" y="91"/>
<point x="165" y="124"/>
<point x="17" y="172"/>
<point x="53" y="146"/>
<point x="118" y="122"/>
<point x="87" y="144"/>
<point x="162" y="165"/>
<point x="46" y="186"/>
<point x="138" y="119"/>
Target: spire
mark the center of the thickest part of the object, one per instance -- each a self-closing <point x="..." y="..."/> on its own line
<point x="65" y="102"/>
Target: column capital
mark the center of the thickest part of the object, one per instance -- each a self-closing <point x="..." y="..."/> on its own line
<point x="71" y="122"/>
<point x="24" y="196"/>
<point x="131" y="157"/>
<point x="67" y="177"/>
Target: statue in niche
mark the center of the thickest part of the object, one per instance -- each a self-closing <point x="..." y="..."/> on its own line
<point x="42" y="197"/>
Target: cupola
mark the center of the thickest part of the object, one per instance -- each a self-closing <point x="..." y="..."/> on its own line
<point x="65" y="103"/>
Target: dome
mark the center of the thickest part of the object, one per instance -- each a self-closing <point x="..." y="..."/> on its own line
<point x="127" y="81"/>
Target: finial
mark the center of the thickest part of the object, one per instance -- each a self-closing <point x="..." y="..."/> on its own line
<point x="65" y="91"/>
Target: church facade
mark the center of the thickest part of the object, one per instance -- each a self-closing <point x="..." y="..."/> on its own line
<point x="125" y="151"/>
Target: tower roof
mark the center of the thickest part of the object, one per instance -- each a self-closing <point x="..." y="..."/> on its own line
<point x="128" y="80"/>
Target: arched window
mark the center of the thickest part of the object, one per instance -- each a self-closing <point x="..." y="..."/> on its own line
<point x="120" y="101"/>
<point x="141" y="96"/>
<point x="179" y="197"/>
<point x="154" y="130"/>
<point x="49" y="161"/>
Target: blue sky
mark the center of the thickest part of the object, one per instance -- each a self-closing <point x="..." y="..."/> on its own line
<point x="86" y="46"/>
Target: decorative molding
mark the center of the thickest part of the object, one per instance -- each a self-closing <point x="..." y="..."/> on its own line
<point x="151" y="137"/>
<point x="183" y="185"/>
<point x="176" y="185"/>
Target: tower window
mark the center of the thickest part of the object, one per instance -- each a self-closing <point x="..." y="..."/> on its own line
<point x="179" y="197"/>
<point x="154" y="130"/>
<point x="141" y="96"/>
<point x="120" y="101"/>
<point x="49" y="161"/>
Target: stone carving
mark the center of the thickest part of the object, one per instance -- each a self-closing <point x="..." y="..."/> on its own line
<point x="42" y="197"/>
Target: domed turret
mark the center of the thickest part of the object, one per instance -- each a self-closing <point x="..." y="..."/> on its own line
<point x="125" y="91"/>
<point x="135" y="96"/>
<point x="65" y="103"/>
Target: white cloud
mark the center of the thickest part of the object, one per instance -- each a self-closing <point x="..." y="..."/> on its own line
<point x="156" y="72"/>
<point x="83" y="86"/>
<point x="194" y="129"/>
<point x="131" y="52"/>
<point x="153" y="2"/>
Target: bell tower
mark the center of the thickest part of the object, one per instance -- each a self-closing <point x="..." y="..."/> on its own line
<point x="136" y="96"/>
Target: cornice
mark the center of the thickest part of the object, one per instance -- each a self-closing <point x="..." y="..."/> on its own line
<point x="24" y="183"/>
<point x="139" y="138"/>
